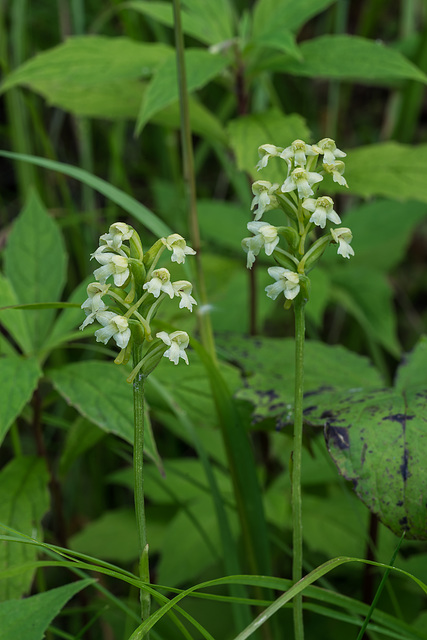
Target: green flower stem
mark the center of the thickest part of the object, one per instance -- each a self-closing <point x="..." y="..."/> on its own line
<point x="189" y="176"/>
<point x="296" y="462"/>
<point x="138" y="468"/>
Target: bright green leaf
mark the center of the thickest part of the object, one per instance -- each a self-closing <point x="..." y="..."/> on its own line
<point x="352" y="58"/>
<point x="13" y="320"/>
<point x="201" y="67"/>
<point x="18" y="379"/>
<point x="35" y="263"/>
<point x="214" y="17"/>
<point x="388" y="169"/>
<point x="84" y="61"/>
<point x="247" y="133"/>
<point x="29" y="618"/>
<point x="24" y="500"/>
<point x="270" y="15"/>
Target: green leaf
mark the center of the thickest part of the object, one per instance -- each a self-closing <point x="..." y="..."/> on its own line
<point x="18" y="379"/>
<point x="393" y="222"/>
<point x="269" y="366"/>
<point x="201" y="67"/>
<point x="111" y="537"/>
<point x="215" y="18"/>
<point x="82" y="62"/>
<point x="270" y="15"/>
<point x="24" y="500"/>
<point x="367" y="295"/>
<point x="352" y="58"/>
<point x="412" y="371"/>
<point x="281" y="39"/>
<point x="388" y="169"/>
<point x="129" y="204"/>
<point x="247" y="133"/>
<point x="70" y="318"/>
<point x="100" y="393"/>
<point x="30" y="618"/>
<point x="13" y="320"/>
<point x="35" y="263"/>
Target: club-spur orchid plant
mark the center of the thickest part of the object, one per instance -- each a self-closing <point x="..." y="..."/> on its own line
<point x="135" y="294"/>
<point x="135" y="290"/>
<point x="296" y="247"/>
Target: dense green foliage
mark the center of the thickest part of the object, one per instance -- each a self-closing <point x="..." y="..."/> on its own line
<point x="90" y="135"/>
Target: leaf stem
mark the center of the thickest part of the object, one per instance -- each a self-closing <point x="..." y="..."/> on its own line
<point x="138" y="469"/>
<point x="296" y="463"/>
<point x="189" y="178"/>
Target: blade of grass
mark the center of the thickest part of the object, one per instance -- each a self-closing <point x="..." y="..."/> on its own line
<point x="126" y="202"/>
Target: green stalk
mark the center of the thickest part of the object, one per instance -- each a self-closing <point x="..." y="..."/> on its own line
<point x="138" y="469"/>
<point x="296" y="463"/>
<point x="189" y="177"/>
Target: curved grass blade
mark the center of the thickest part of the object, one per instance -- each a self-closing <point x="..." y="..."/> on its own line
<point x="126" y="202"/>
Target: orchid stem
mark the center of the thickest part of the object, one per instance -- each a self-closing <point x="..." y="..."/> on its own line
<point x="138" y="467"/>
<point x="296" y="463"/>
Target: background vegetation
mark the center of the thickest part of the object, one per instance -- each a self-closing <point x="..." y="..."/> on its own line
<point x="93" y="85"/>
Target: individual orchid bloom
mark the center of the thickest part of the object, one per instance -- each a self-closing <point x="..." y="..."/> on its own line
<point x="301" y="180"/>
<point x="113" y="326"/>
<point x="298" y="151"/>
<point x="264" y="197"/>
<point x="337" y="171"/>
<point x="265" y="236"/>
<point x="160" y="281"/>
<point x="177" y="343"/>
<point x="286" y="281"/>
<point x="183" y="289"/>
<point x="265" y="152"/>
<point x="117" y="233"/>
<point x="94" y="303"/>
<point x="343" y="236"/>
<point x="329" y="150"/>
<point x="178" y="246"/>
<point x="322" y="210"/>
<point x="112" y="265"/>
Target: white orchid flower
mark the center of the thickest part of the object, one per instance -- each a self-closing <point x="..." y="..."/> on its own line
<point x="329" y="150"/>
<point x="177" y="343"/>
<point x="113" y="326"/>
<point x="264" y="197"/>
<point x="322" y="210"/>
<point x="94" y="303"/>
<point x="183" y="289"/>
<point x="112" y="265"/>
<point x="265" y="236"/>
<point x="343" y="237"/>
<point x="301" y="180"/>
<point x="265" y="152"/>
<point x="298" y="151"/>
<point x="160" y="281"/>
<point x="117" y="233"/>
<point x="337" y="171"/>
<point x="286" y="281"/>
<point x="178" y="246"/>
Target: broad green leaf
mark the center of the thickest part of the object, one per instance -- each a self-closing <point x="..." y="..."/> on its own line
<point x="129" y="204"/>
<point x="111" y="537"/>
<point x="35" y="263"/>
<point x="215" y="18"/>
<point x="84" y="61"/>
<point x="388" y="220"/>
<point x="388" y="169"/>
<point x="201" y="67"/>
<point x="367" y="295"/>
<point x="216" y="216"/>
<point x="345" y="57"/>
<point x="412" y="371"/>
<point x="18" y="379"/>
<point x="270" y="15"/>
<point x="29" y="618"/>
<point x="100" y="393"/>
<point x="81" y="436"/>
<point x="268" y="364"/>
<point x="192" y="25"/>
<point x="24" y="500"/>
<point x="281" y="39"/>
<point x="378" y="441"/>
<point x="70" y="319"/>
<point x="13" y="320"/>
<point x="247" y="133"/>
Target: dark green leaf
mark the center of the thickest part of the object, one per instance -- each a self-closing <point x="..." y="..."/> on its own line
<point x="285" y="14"/>
<point x="13" y="320"/>
<point x="18" y="379"/>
